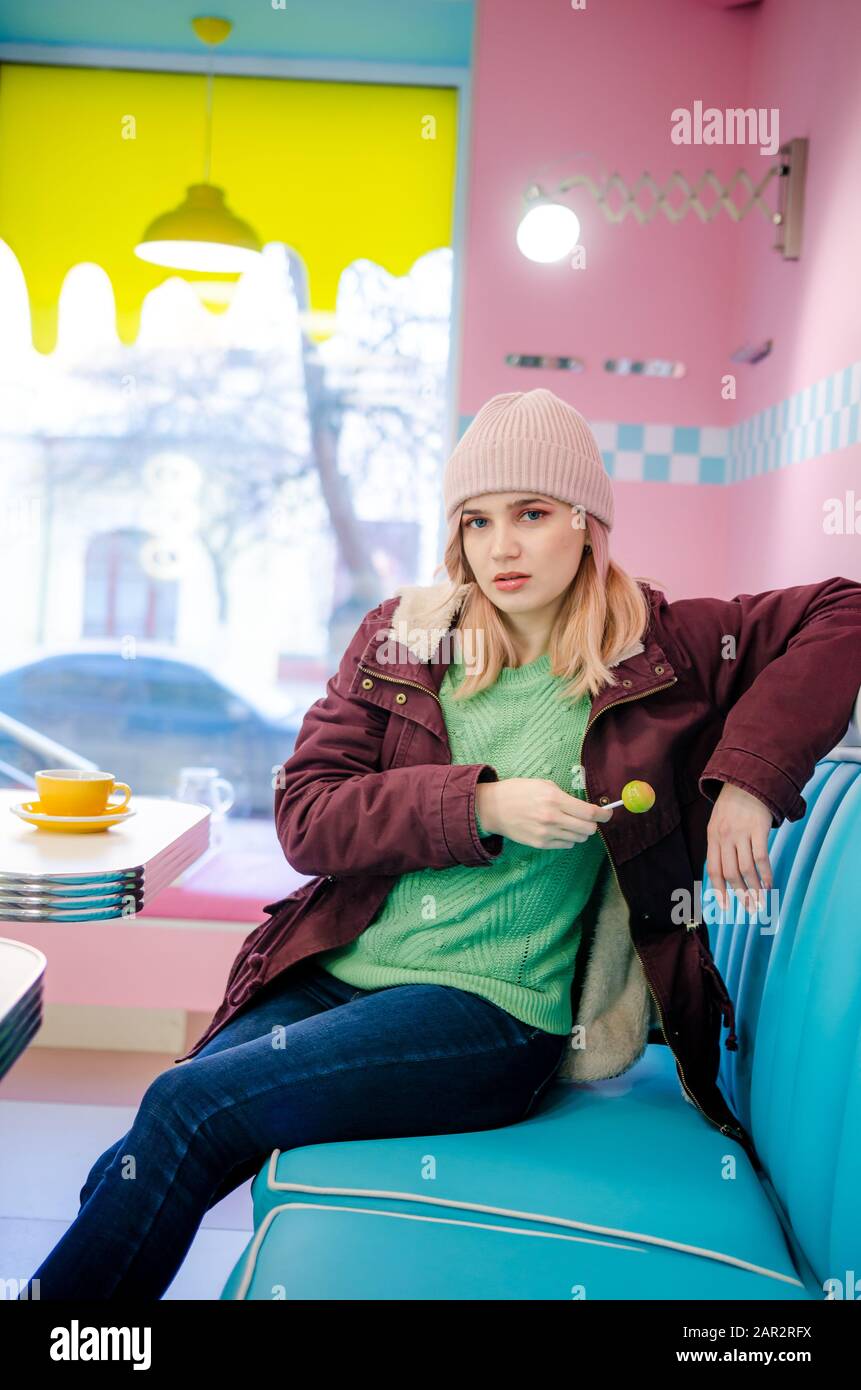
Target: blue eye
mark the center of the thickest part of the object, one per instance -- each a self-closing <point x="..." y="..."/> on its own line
<point x="529" y="511"/>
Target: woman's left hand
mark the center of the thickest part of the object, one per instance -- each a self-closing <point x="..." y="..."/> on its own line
<point x="738" y="846"/>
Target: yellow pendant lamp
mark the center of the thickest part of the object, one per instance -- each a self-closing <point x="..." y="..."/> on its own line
<point x="202" y="234"/>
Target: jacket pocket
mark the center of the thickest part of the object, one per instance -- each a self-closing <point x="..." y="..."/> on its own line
<point x="283" y="914"/>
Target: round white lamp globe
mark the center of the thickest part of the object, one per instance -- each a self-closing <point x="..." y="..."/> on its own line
<point x="548" y="231"/>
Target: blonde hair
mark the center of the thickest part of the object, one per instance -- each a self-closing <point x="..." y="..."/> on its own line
<point x="603" y="612"/>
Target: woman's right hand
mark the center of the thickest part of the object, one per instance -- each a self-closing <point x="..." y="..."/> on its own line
<point x="535" y="811"/>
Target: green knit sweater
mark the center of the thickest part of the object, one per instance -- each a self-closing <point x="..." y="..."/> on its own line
<point x="506" y="930"/>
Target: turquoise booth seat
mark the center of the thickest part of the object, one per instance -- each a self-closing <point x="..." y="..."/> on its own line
<point x="621" y="1189"/>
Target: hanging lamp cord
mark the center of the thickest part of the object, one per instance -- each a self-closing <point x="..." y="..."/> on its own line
<point x="207" y="160"/>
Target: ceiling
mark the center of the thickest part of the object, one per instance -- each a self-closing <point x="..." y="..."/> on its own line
<point x="429" y="32"/>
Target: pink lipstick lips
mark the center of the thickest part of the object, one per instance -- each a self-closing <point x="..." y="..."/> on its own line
<point x="511" y="581"/>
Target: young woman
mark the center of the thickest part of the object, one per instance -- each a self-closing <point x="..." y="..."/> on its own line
<point x="479" y="921"/>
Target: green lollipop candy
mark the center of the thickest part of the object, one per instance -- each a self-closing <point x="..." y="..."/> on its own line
<point x="636" y="796"/>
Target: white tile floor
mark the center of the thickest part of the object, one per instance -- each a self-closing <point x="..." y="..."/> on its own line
<point x="47" y="1147"/>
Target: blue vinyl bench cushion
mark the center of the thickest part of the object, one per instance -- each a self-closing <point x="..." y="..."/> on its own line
<point x="617" y="1186"/>
<point x="620" y="1188"/>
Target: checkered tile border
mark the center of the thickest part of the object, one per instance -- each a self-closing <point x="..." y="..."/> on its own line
<point x="817" y="420"/>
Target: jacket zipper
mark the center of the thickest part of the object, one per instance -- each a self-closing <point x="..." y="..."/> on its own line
<point x="399" y="681"/>
<point x="724" y="1129"/>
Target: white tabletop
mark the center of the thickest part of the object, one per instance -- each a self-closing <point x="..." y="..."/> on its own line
<point x="143" y="841"/>
<point x="22" y="972"/>
<point x="21" y="965"/>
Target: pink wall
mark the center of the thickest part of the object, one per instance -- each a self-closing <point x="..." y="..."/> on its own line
<point x="139" y="967"/>
<point x="805" y="60"/>
<point x="672" y="533"/>
<point x="774" y="534"/>
<point x="550" y="81"/>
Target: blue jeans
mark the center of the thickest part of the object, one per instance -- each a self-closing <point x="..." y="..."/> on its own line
<point x="349" y="1064"/>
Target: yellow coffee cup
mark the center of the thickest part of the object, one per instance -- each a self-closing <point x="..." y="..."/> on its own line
<point x="67" y="791"/>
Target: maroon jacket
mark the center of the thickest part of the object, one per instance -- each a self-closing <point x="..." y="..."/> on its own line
<point x="370" y="793"/>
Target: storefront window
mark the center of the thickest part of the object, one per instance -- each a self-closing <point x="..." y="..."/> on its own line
<point x="187" y="520"/>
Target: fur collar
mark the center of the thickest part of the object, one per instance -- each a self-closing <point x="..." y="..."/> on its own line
<point x="425" y="612"/>
<point x="615" y="1009"/>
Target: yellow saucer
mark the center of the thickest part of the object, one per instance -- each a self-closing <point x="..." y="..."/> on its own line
<point x="69" y="825"/>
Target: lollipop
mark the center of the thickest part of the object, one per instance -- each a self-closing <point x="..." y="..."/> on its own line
<point x="636" y="796"/>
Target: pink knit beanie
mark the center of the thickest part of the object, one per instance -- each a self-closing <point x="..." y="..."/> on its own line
<point x="530" y="441"/>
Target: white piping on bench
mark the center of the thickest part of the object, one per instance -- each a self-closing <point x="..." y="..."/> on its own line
<point x="257" y="1241"/>
<point x="274" y="1185"/>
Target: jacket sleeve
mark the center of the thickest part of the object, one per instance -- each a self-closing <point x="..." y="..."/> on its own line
<point x="786" y="682"/>
<point x="337" y="813"/>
